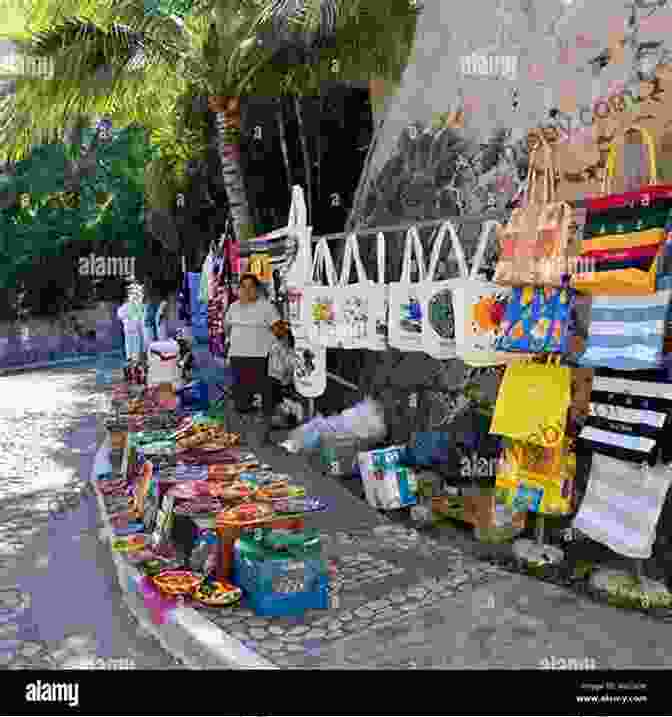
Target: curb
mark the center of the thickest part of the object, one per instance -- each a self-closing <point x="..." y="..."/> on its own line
<point x="9" y="371"/>
<point x="186" y="635"/>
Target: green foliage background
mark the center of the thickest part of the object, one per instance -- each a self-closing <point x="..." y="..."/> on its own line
<point x="40" y="241"/>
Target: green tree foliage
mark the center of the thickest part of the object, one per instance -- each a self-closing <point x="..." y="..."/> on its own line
<point x="44" y="233"/>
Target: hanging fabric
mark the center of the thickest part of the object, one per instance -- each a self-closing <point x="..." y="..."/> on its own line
<point x="622" y="504"/>
<point x="628" y="420"/>
<point x="479" y="310"/>
<point x="536" y="320"/>
<point x="619" y="249"/>
<point x="627" y="332"/>
<point x="360" y="303"/>
<point x="379" y="314"/>
<point x="438" y="309"/>
<point x="538" y="243"/>
<point x="310" y="372"/>
<point x="537" y="479"/>
<point x="321" y="309"/>
<point x="533" y="403"/>
<point x="405" y="307"/>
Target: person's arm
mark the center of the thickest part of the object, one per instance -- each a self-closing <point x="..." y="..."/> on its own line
<point x="272" y="315"/>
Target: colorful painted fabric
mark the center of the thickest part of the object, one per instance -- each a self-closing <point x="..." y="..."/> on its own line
<point x="628" y="419"/>
<point x="633" y="200"/>
<point x="615" y="242"/>
<point x="626" y="221"/>
<point x="536" y="321"/>
<point x="636" y="253"/>
<point x="626" y="333"/>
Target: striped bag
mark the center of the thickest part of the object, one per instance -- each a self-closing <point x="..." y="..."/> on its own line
<point x="626" y="333"/>
<point x="628" y="420"/>
<point x="623" y="234"/>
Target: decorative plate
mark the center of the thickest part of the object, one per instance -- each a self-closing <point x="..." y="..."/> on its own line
<point x="198" y="506"/>
<point x="245" y="515"/>
<point x="290" y="506"/>
<point x="237" y="491"/>
<point x="190" y="489"/>
<point x="217" y="594"/>
<point x="129" y="543"/>
<point x="176" y="582"/>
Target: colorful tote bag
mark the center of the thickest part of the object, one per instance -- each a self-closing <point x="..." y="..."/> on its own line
<point x="438" y="309"/>
<point x="405" y="325"/>
<point x="479" y="311"/>
<point x="320" y="304"/>
<point x="627" y="333"/>
<point x="628" y="419"/>
<point x="537" y="320"/>
<point x="622" y="239"/>
<point x="537" y="479"/>
<point x="538" y="244"/>
<point x="361" y="304"/>
<point x="622" y="505"/>
<point x="533" y="403"/>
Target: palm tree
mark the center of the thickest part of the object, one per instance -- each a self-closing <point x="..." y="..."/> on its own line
<point x="135" y="67"/>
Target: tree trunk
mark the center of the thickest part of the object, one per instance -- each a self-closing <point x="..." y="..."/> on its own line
<point x="280" y="119"/>
<point x="227" y="119"/>
<point x="380" y="91"/>
<point x="306" y="158"/>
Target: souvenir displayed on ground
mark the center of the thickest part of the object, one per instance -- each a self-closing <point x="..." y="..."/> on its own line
<point x="245" y="515"/>
<point x="217" y="593"/>
<point x="237" y="491"/>
<point x="189" y="490"/>
<point x="198" y="506"/>
<point x="278" y="491"/>
<point x="233" y="470"/>
<point x="291" y="506"/>
<point x="176" y="582"/>
<point x="129" y="544"/>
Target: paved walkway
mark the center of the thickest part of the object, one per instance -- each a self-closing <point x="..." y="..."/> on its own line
<point x="60" y="604"/>
<point x="399" y="599"/>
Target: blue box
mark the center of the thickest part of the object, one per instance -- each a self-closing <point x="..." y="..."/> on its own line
<point x="262" y="573"/>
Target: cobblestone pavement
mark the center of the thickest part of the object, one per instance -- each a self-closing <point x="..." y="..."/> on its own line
<point x="60" y="605"/>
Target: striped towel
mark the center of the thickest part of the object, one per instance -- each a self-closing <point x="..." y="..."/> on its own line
<point x="627" y="333"/>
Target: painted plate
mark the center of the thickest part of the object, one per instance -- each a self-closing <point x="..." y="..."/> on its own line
<point x="290" y="506"/>
<point x="217" y="594"/>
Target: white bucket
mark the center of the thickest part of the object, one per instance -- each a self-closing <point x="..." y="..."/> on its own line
<point x="162" y="363"/>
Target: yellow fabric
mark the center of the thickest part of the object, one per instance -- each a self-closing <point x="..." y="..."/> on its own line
<point x="632" y="240"/>
<point x="620" y="282"/>
<point x="260" y="265"/>
<point x="533" y="403"/>
<point x="546" y="469"/>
